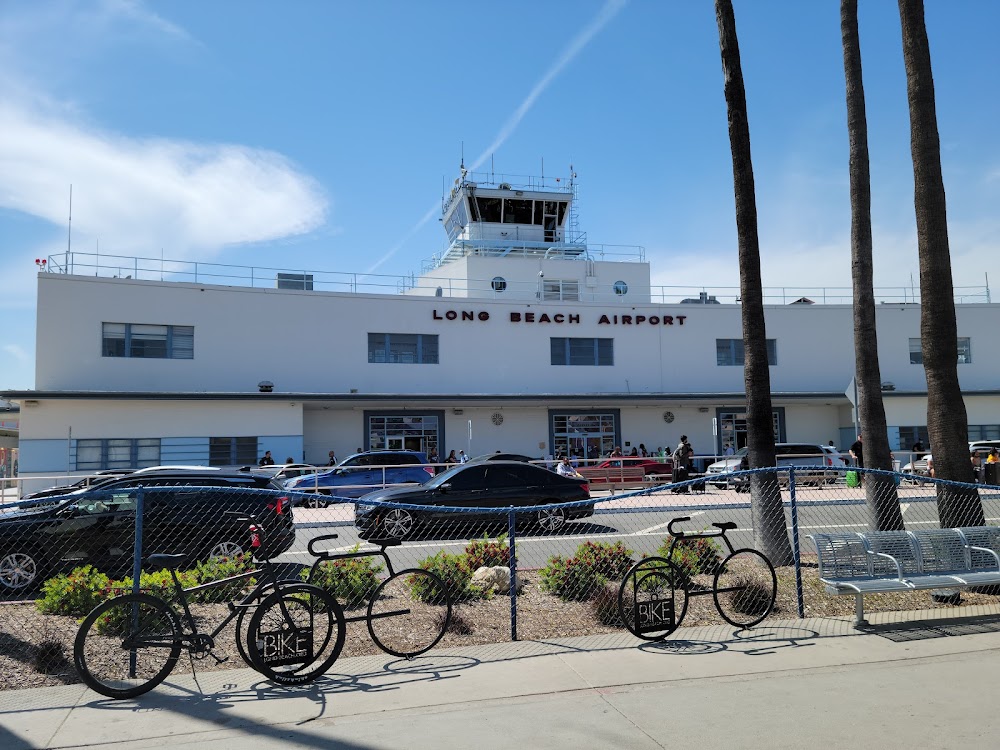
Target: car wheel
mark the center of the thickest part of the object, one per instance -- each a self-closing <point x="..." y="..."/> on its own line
<point x="552" y="519"/>
<point x="398" y="523"/>
<point x="316" y="501"/>
<point x="225" y="549"/>
<point x="19" y="570"/>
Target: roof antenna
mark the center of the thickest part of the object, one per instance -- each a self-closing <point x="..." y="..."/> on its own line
<point x="69" y="228"/>
<point x="462" y="164"/>
<point x="492" y="173"/>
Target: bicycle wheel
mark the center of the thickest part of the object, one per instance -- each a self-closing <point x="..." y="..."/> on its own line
<point x="243" y="619"/>
<point x="409" y="613"/>
<point x="127" y="645"/>
<point x="653" y="598"/>
<point x="745" y="588"/>
<point x="295" y="634"/>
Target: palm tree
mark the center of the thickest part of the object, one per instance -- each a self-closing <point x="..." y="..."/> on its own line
<point x="947" y="421"/>
<point x="767" y="511"/>
<point x="880" y="491"/>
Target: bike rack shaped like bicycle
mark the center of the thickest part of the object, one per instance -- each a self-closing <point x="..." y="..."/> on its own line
<point x="653" y="596"/>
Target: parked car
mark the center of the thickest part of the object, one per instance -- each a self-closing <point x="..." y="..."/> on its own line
<point x="64" y="489"/>
<point x="185" y="512"/>
<point x="786" y="454"/>
<point x="918" y="470"/>
<point x="649" y="465"/>
<point x="284" y="472"/>
<point x="484" y="484"/>
<point x="498" y="456"/>
<point x="359" y="474"/>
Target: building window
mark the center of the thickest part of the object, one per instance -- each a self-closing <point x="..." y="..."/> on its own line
<point x="499" y="284"/>
<point x="561" y="289"/>
<point x="729" y="352"/>
<point x="147" y="341"/>
<point x="403" y="348"/>
<point x="964" y="351"/>
<point x="566" y="351"/>
<point x="232" y="451"/>
<point x="621" y="288"/>
<point x="910" y="434"/>
<point x="117" y="453"/>
<point x="984" y="432"/>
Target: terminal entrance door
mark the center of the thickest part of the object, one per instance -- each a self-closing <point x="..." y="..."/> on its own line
<point x="404" y="443"/>
<point x="733" y="428"/>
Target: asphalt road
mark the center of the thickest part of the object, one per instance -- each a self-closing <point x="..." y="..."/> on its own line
<point x="643" y="529"/>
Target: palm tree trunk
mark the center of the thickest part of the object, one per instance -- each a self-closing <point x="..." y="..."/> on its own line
<point x="947" y="421"/>
<point x="767" y="511"/>
<point x="880" y="491"/>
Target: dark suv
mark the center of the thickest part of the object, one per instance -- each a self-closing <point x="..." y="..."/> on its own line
<point x="361" y="473"/>
<point x="195" y="512"/>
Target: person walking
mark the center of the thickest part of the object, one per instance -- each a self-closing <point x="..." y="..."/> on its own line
<point x="462" y="458"/>
<point x="857" y="452"/>
<point x="332" y="458"/>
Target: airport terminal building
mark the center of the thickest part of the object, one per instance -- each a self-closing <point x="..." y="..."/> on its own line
<point x="519" y="336"/>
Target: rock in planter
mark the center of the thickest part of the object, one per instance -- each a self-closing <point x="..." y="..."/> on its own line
<point x="495" y="579"/>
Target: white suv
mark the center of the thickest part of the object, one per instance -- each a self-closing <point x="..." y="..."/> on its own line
<point x="786" y="454"/>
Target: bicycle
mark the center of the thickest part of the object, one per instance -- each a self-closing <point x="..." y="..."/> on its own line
<point x="653" y="596"/>
<point x="129" y="644"/>
<point x="414" y="593"/>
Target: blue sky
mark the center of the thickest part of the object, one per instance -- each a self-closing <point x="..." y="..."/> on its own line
<point x="317" y="134"/>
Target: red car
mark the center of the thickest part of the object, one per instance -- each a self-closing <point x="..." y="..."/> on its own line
<point x="649" y="465"/>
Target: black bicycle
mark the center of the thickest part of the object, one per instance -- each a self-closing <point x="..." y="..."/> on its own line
<point x="653" y="597"/>
<point x="408" y="613"/>
<point x="129" y="644"/>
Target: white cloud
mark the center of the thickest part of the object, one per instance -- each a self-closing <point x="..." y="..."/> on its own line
<point x="15" y="351"/>
<point x="140" y="195"/>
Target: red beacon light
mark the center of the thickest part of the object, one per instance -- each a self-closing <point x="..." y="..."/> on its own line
<point x="41" y="263"/>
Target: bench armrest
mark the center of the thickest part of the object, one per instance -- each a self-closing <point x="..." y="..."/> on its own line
<point x="899" y="570"/>
<point x="989" y="552"/>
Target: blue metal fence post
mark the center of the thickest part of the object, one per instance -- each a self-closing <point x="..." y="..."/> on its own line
<point x="512" y="545"/>
<point x="136" y="570"/>
<point x="796" y="556"/>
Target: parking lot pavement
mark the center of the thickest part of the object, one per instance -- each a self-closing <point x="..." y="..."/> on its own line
<point x="787" y="685"/>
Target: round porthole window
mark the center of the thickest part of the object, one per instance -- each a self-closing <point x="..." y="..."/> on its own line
<point x="499" y="283"/>
<point x="497" y="418"/>
<point x="621" y="288"/>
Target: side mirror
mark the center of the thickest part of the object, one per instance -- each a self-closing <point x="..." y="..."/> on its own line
<point x="444" y="489"/>
<point x="68" y="512"/>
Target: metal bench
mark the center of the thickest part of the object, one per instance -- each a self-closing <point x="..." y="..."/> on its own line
<point x="880" y="562"/>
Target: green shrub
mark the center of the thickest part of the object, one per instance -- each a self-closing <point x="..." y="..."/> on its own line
<point x="351" y="581"/>
<point x="75" y="593"/>
<point x="487" y="552"/>
<point x="570" y="578"/>
<point x="605" y="604"/>
<point x="159" y="583"/>
<point x="693" y="556"/>
<point x="578" y="578"/>
<point x="454" y="572"/>
<point x="218" y="568"/>
<point x="609" y="560"/>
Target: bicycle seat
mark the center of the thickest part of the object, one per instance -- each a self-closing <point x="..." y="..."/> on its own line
<point x="725" y="525"/>
<point x="168" y="562"/>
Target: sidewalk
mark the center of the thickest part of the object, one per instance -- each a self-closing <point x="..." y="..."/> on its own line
<point x="787" y="685"/>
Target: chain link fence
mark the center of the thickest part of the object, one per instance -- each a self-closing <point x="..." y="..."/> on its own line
<point x="527" y="573"/>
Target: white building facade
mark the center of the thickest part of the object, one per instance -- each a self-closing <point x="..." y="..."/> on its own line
<point x="519" y="337"/>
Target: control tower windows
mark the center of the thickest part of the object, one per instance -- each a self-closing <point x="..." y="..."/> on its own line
<point x="489" y="209"/>
<point x="517" y="211"/>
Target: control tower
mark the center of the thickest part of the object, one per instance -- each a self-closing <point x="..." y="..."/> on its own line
<point x="517" y="237"/>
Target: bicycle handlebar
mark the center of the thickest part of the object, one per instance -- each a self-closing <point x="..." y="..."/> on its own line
<point x="670" y="527"/>
<point x="325" y="538"/>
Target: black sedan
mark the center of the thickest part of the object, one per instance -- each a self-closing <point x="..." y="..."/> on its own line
<point x="486" y="484"/>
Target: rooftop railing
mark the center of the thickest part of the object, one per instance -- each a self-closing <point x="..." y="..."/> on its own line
<point x="268" y="277"/>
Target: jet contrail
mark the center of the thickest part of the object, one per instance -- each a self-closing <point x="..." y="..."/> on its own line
<point x="610" y="9"/>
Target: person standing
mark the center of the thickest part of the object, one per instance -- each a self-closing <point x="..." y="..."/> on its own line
<point x="857" y="452"/>
<point x="452" y="458"/>
<point x="728" y="450"/>
<point x="462" y="458"/>
<point x="332" y="458"/>
<point x="266" y="459"/>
